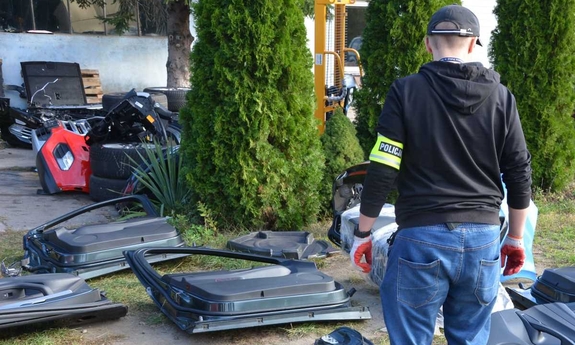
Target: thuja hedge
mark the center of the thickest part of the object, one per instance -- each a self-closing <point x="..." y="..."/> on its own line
<point x="251" y="148"/>
<point x="392" y="47"/>
<point x="533" y="49"/>
<point x="341" y="149"/>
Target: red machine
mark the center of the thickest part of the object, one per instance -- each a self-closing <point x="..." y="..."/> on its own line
<point x="63" y="162"/>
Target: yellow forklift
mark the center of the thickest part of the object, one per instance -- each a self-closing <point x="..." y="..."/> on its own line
<point x="339" y="93"/>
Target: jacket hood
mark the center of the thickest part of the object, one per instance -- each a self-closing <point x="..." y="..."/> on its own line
<point x="461" y="86"/>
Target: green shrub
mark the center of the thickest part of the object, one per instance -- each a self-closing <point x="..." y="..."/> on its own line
<point x="532" y="48"/>
<point x="341" y="149"/>
<point x="251" y="149"/>
<point x="393" y="47"/>
<point x="161" y="178"/>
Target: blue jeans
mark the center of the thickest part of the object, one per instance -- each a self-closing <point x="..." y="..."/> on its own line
<point x="431" y="266"/>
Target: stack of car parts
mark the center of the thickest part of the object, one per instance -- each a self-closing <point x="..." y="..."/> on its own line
<point x="118" y="144"/>
<point x="54" y="91"/>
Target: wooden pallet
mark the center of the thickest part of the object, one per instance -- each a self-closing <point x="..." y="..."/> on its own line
<point x="92" y="85"/>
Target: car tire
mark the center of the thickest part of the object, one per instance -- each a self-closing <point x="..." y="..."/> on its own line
<point x="102" y="189"/>
<point x="160" y="98"/>
<point x="176" y="96"/>
<point x="116" y="160"/>
<point x="110" y="100"/>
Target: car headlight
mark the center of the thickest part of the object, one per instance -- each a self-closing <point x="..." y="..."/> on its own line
<point x="63" y="156"/>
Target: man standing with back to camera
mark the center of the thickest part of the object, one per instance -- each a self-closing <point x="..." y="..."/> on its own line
<point x="449" y="134"/>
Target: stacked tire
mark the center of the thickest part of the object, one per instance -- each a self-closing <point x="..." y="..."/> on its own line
<point x="176" y="96"/>
<point x="112" y="164"/>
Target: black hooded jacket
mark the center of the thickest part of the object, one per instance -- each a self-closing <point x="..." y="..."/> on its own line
<point x="461" y="137"/>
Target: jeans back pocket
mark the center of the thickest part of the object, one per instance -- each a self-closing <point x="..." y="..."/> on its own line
<point x="417" y="283"/>
<point x="487" y="281"/>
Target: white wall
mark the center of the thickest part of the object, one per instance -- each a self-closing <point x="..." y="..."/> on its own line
<point x="124" y="62"/>
<point x="483" y="9"/>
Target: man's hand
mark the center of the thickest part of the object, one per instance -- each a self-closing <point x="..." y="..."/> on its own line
<point x="361" y="247"/>
<point x="512" y="255"/>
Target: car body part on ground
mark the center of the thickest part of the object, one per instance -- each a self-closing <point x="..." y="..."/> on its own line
<point x="40" y="298"/>
<point x="282" y="244"/>
<point x="282" y="291"/>
<point x="94" y="250"/>
<point x="553" y="285"/>
<point x="346" y="199"/>
<point x="545" y="324"/>
<point x="63" y="162"/>
<point x="343" y="336"/>
<point x="81" y="127"/>
<point x="54" y="91"/>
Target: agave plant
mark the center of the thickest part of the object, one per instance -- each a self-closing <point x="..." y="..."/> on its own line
<point x="159" y="178"/>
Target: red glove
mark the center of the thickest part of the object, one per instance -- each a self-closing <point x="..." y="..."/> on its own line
<point x="361" y="248"/>
<point x="512" y="255"/>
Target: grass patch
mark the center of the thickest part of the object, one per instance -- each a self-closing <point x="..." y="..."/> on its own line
<point x="11" y="246"/>
<point x="555" y="232"/>
<point x="46" y="337"/>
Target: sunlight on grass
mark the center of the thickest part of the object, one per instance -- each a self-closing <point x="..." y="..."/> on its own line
<point x="124" y="287"/>
<point x="47" y="337"/>
<point x="555" y="232"/>
<point x="11" y="246"/>
<point x="36" y="335"/>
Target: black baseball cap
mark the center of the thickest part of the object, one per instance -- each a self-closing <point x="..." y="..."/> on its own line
<point x="466" y="22"/>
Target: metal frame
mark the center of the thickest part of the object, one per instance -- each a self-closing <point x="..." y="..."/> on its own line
<point x="323" y="103"/>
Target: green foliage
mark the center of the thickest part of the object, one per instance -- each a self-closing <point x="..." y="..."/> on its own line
<point x="341" y="149"/>
<point x="154" y="12"/>
<point x="555" y="228"/>
<point x="532" y="48"/>
<point x="393" y="47"/>
<point x="161" y="178"/>
<point x="252" y="152"/>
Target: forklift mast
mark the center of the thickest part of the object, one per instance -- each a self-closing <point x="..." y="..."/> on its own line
<point x="327" y="101"/>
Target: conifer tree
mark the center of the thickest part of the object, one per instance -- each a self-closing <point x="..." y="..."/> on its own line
<point x="532" y="48"/>
<point x="251" y="146"/>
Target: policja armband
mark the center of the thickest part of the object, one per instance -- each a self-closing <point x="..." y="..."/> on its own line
<point x="387" y="151"/>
